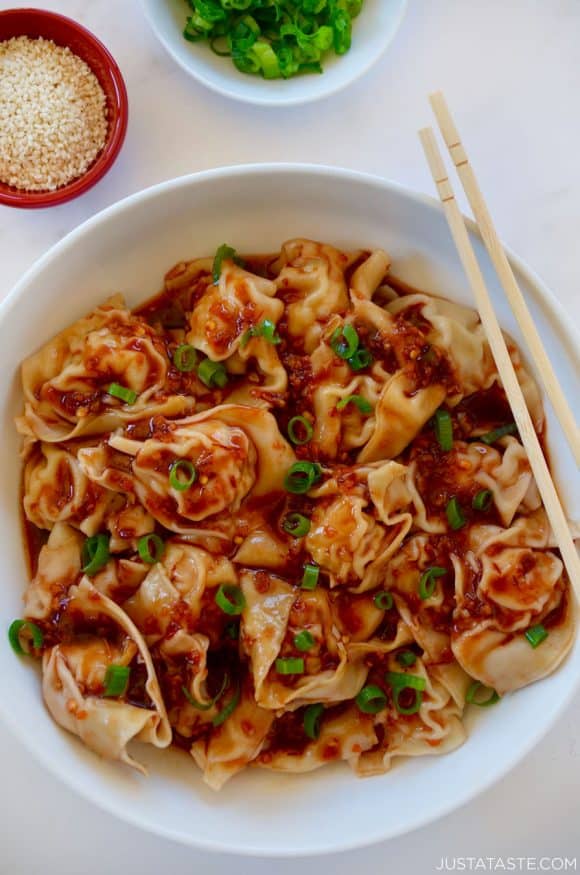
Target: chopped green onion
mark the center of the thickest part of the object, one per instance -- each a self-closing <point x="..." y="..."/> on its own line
<point x="232" y="630"/>
<point x="428" y="581"/>
<point x="121" y="392"/>
<point x="301" y="423"/>
<point x="492" y="436"/>
<point x="185" y="358"/>
<point x="228" y="709"/>
<point x="360" y="360"/>
<point x="95" y="554"/>
<point x="224" y="253"/>
<point x="536" y="634"/>
<point x="206" y="706"/>
<point x="116" y="680"/>
<point x="383" y="601"/>
<point x="455" y="516"/>
<point x="482" y="500"/>
<point x="363" y="405"/>
<point x="290" y="665"/>
<point x="151" y="548"/>
<point x="304" y="640"/>
<point x="182" y="474"/>
<point x="476" y="689"/>
<point x="266" y="329"/>
<point x="400" y="681"/>
<point x="312" y="716"/>
<point x="310" y="576"/>
<point x="344" y="341"/>
<point x="230" y="599"/>
<point x="444" y="429"/>
<point x="406" y="658"/>
<point x="301" y="477"/>
<point x="371" y="699"/>
<point x="18" y="626"/>
<point x="212" y="374"/>
<point x="296" y="524"/>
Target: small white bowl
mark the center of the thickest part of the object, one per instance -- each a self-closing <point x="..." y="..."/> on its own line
<point x="127" y="248"/>
<point x="373" y="31"/>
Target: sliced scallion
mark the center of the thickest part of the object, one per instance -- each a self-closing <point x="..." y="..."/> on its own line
<point x="151" y="548"/>
<point x="290" y="665"/>
<point x="230" y="599"/>
<point x="304" y="640"/>
<point x="344" y="341"/>
<point x="310" y="577"/>
<point x="206" y="706"/>
<point x="428" y="581"/>
<point x="482" y="500"/>
<point x="361" y="403"/>
<point x="455" y="515"/>
<point x="301" y="477"/>
<point x="95" y="554"/>
<point x="300" y="431"/>
<point x="212" y="374"/>
<point x="383" y="601"/>
<point x="185" y="358"/>
<point x="296" y="524"/>
<point x="444" y="429"/>
<point x="371" y="699"/>
<point x="536" y="635"/>
<point x="476" y="691"/>
<point x="116" y="680"/>
<point x="128" y="396"/>
<point x="492" y="436"/>
<point x="312" y="717"/>
<point x="14" y="631"/>
<point x="182" y="474"/>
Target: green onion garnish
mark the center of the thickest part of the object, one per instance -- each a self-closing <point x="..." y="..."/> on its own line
<point x="300" y="424"/>
<point x="536" y="634"/>
<point x="18" y="626"/>
<point x="312" y="716"/>
<point x="212" y="374"/>
<point x="223" y="253"/>
<point x="428" y="581"/>
<point x="344" y="341"/>
<point x="301" y="477"/>
<point x="363" y="405"/>
<point x="444" y="429"/>
<point x="304" y="640"/>
<point x="116" y="680"/>
<point x="296" y="524"/>
<point x="182" y="474"/>
<point x="383" y="601"/>
<point x="274" y="39"/>
<point x="360" y="360"/>
<point x="492" y="436"/>
<point x="185" y="358"/>
<point x="205" y="706"/>
<point x="406" y="658"/>
<point x="266" y="329"/>
<point x="121" y="392"/>
<point x="95" y="554"/>
<point x="150" y="548"/>
<point x="476" y="689"/>
<point x="310" y="576"/>
<point x="401" y="681"/>
<point x="228" y="709"/>
<point x="230" y="599"/>
<point x="482" y="500"/>
<point x="290" y="665"/>
<point x="455" y="516"/>
<point x="232" y="630"/>
<point x="371" y="699"/>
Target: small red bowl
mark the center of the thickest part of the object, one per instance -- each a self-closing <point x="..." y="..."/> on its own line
<point x="66" y="32"/>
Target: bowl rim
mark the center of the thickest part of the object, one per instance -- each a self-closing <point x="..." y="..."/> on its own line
<point x="278" y="101"/>
<point x="108" y="803"/>
<point x="118" y="125"/>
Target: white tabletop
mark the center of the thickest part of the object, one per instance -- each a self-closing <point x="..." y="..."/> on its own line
<point x="511" y="73"/>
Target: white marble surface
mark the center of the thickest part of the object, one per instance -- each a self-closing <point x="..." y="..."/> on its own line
<point x="511" y="71"/>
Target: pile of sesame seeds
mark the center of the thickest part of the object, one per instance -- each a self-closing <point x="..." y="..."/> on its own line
<point x="53" y="115"/>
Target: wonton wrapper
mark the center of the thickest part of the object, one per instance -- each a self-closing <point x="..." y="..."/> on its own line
<point x="238" y="452"/>
<point x="65" y="383"/>
<point x="520" y="586"/>
<point x="59" y="566"/>
<point x="264" y="626"/>
<point x="104" y="725"/>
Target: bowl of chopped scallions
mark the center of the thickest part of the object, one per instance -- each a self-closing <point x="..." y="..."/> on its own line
<point x="275" y="52"/>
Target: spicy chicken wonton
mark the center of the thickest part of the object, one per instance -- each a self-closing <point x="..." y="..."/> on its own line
<point x="281" y="516"/>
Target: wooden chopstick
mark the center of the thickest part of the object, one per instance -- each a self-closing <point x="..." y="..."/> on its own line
<point x="504" y="271"/>
<point x="502" y="359"/>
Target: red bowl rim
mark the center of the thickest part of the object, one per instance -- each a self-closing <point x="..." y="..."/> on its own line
<point x="116" y="135"/>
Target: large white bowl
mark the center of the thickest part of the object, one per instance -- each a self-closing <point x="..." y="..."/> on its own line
<point x="373" y="31"/>
<point x="128" y="248"/>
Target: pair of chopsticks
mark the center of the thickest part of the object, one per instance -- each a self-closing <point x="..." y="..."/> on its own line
<point x="491" y="325"/>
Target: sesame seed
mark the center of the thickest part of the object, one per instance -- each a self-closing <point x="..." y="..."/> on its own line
<point x="53" y="115"/>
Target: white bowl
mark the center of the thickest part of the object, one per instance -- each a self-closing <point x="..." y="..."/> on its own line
<point x="128" y="248"/>
<point x="373" y="31"/>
